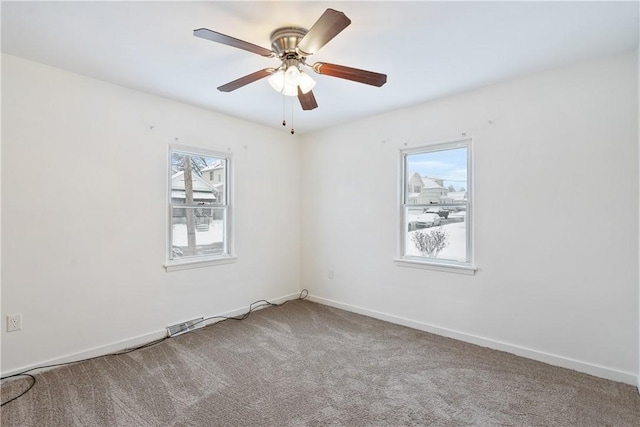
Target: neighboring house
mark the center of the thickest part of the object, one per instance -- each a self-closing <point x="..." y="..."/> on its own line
<point x="203" y="191"/>
<point x="215" y="174"/>
<point x="457" y="196"/>
<point x="424" y="190"/>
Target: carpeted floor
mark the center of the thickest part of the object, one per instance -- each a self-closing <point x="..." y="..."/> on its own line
<point x="305" y="364"/>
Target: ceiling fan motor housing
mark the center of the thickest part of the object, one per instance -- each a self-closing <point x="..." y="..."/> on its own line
<point x="285" y="40"/>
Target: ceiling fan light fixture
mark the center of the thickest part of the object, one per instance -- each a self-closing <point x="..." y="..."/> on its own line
<point x="287" y="82"/>
<point x="291" y="81"/>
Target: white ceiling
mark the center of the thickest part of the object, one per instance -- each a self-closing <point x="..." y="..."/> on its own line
<point x="427" y="49"/>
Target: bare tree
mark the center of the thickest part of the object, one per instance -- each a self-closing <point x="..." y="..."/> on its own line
<point x="188" y="199"/>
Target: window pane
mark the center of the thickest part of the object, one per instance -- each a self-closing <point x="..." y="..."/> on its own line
<point x="436" y="177"/>
<point x="197" y="231"/>
<point x="197" y="179"/>
<point x="441" y="235"/>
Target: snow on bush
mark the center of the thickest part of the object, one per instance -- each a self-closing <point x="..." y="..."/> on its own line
<point x="431" y="243"/>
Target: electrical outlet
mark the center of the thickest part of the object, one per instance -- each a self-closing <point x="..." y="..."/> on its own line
<point x="330" y="274"/>
<point x="14" y="322"/>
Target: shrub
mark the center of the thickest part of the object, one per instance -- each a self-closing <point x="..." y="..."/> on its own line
<point x="431" y="243"/>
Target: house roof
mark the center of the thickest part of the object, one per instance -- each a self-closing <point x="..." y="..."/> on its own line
<point x="457" y="195"/>
<point x="200" y="185"/>
<point x="430" y="183"/>
<point x="213" y="166"/>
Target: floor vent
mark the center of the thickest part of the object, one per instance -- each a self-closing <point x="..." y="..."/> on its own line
<point x="181" y="328"/>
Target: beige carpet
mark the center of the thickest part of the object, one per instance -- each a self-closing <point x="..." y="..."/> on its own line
<point x="305" y="364"/>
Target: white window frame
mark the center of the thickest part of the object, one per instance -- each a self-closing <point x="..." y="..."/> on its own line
<point x="227" y="255"/>
<point x="467" y="267"/>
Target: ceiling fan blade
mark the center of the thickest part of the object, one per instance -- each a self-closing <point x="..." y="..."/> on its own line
<point x="329" y="25"/>
<point x="307" y="100"/>
<point x="354" y="74"/>
<point x="243" y="81"/>
<point x="204" y="33"/>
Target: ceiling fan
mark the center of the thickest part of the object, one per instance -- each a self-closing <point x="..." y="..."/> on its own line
<point x="292" y="46"/>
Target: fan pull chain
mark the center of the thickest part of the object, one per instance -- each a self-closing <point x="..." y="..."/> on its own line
<point x="284" y="122"/>
<point x="292" y="130"/>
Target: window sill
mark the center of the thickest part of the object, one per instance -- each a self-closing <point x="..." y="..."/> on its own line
<point x="450" y="268"/>
<point x="186" y="265"/>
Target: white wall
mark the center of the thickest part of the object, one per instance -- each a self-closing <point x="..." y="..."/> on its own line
<point x="556" y="216"/>
<point x="84" y="214"/>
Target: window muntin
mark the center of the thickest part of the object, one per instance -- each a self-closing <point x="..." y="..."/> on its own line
<point x="198" y="206"/>
<point x="436" y="204"/>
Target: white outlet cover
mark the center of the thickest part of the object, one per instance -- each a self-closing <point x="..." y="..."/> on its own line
<point x="14" y="322"/>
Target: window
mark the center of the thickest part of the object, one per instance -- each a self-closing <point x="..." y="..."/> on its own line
<point x="199" y="217"/>
<point x="436" y="211"/>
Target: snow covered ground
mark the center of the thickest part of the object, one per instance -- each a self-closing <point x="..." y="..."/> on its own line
<point x="213" y="235"/>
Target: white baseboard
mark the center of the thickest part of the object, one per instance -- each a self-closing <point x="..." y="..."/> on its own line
<point x="552" y="359"/>
<point x="243" y="310"/>
<point x="91" y="353"/>
<point x="128" y="342"/>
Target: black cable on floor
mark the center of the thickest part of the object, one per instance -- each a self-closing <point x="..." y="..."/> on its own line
<point x="252" y="307"/>
<point x="33" y="383"/>
<point x="24" y="392"/>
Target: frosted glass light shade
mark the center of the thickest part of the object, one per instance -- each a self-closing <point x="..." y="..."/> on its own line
<point x="276" y="80"/>
<point x="292" y="76"/>
<point x="290" y="90"/>
<point x="287" y="82"/>
<point x="306" y="82"/>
